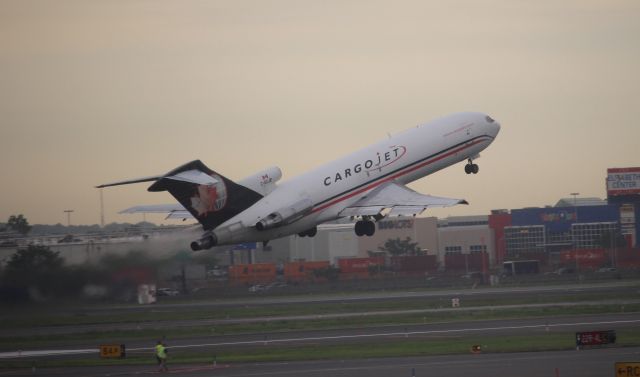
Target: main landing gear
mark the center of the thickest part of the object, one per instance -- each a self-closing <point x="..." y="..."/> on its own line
<point x="365" y="228"/>
<point x="471" y="168"/>
<point x="309" y="233"/>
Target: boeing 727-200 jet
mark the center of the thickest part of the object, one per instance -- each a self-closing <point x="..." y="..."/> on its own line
<point x="366" y="185"/>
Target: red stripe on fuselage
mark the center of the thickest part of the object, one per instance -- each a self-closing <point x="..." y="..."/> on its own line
<point x="409" y="169"/>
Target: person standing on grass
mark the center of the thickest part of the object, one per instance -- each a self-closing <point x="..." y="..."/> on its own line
<point x="161" y="356"/>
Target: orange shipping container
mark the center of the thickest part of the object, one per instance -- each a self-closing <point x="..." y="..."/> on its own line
<point x="303" y="271"/>
<point x="253" y="273"/>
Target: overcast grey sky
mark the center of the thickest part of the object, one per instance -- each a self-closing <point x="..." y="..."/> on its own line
<point x="97" y="91"/>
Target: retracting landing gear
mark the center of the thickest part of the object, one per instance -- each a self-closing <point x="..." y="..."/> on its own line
<point x="471" y="168"/>
<point x="309" y="233"/>
<point x="365" y="228"/>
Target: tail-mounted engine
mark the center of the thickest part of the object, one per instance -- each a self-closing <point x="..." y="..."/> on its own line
<point x="285" y="215"/>
<point x="207" y="241"/>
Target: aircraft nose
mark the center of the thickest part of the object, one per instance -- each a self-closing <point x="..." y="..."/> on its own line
<point x="493" y="126"/>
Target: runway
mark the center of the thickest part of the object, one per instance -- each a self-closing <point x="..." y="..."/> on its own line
<point x="369" y="334"/>
<point x="585" y="363"/>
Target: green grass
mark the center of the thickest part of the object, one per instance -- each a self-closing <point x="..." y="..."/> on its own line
<point x="34" y="315"/>
<point x="301" y="325"/>
<point x="391" y="347"/>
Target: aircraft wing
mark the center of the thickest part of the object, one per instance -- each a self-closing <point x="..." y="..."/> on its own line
<point x="173" y="211"/>
<point x="399" y="198"/>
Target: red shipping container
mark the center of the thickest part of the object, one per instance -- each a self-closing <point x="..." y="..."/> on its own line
<point x="253" y="273"/>
<point x="359" y="265"/>
<point x="585" y="258"/>
<point x="303" y="271"/>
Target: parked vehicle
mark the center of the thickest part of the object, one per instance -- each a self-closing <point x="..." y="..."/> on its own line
<point x="166" y="292"/>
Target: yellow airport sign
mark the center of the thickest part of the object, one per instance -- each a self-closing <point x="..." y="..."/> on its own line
<point x="628" y="369"/>
<point x="112" y="351"/>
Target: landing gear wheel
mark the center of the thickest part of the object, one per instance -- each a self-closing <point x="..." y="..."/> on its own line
<point x="309" y="233"/>
<point x="471" y="168"/>
<point x="365" y="228"/>
<point x="370" y="229"/>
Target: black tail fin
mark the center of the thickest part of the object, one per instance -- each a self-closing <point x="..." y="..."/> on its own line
<point x="212" y="199"/>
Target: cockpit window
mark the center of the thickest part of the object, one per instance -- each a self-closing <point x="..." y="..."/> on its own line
<point x="489" y="119"/>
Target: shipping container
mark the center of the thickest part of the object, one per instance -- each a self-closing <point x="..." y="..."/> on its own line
<point x="360" y="268"/>
<point x="359" y="265"/>
<point x="585" y="258"/>
<point x="304" y="271"/>
<point x="252" y="273"/>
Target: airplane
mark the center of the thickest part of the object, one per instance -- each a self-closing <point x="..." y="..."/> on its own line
<point x="366" y="186"/>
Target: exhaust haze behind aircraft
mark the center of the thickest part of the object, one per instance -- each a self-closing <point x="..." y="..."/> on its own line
<point x="367" y="185"/>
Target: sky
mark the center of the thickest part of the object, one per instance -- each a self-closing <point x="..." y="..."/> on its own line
<point x="99" y="91"/>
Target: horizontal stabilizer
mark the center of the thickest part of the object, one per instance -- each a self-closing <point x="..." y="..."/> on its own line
<point x="130" y="181"/>
<point x="191" y="176"/>
<point x="154" y="208"/>
<point x="173" y="211"/>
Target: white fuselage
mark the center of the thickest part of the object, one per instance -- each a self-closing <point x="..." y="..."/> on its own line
<point x="405" y="157"/>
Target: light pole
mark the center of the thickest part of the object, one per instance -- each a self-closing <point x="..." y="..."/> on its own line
<point x="574" y="194"/>
<point x="68" y="212"/>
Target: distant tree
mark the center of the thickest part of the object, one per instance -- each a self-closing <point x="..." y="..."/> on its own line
<point x="34" y="258"/>
<point x="19" y="224"/>
<point x="35" y="271"/>
<point x="396" y="246"/>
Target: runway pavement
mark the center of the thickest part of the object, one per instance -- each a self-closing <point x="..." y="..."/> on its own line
<point x="585" y="363"/>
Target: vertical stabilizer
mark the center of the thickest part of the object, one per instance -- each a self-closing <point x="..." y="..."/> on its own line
<point x="210" y="197"/>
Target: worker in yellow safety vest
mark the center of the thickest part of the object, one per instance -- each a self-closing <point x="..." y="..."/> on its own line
<point x="161" y="356"/>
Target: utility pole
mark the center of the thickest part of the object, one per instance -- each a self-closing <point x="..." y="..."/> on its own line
<point x="101" y="209"/>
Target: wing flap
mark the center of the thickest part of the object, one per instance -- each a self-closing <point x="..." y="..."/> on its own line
<point x="406" y="210"/>
<point x="400" y="199"/>
<point x="361" y="211"/>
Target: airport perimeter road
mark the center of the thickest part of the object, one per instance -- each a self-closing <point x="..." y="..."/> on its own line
<point x="587" y="363"/>
<point x="632" y="286"/>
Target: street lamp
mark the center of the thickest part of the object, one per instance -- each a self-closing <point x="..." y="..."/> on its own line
<point x="68" y="212"/>
<point x="574" y="194"/>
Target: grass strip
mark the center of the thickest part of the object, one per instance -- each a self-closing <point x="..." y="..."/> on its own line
<point x="305" y="325"/>
<point x="396" y="347"/>
<point x="35" y="317"/>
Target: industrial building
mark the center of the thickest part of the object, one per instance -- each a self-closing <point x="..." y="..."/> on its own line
<point x="579" y="225"/>
<point x="589" y="232"/>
